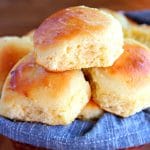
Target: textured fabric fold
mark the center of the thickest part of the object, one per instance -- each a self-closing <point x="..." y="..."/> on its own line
<point x="109" y="132"/>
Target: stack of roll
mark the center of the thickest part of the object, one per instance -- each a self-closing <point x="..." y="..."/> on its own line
<point x="79" y="66"/>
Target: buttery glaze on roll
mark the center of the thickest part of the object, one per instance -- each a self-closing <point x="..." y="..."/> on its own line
<point x="31" y="93"/>
<point x="78" y="37"/>
<point x="11" y="50"/>
<point x="124" y="88"/>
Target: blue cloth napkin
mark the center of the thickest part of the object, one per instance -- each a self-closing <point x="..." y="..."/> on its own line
<point x="108" y="133"/>
<point x="141" y="17"/>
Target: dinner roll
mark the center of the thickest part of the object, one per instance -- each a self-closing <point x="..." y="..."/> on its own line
<point x="11" y="50"/>
<point x="130" y="28"/>
<point x="78" y="37"/>
<point x="124" y="21"/>
<point x="31" y="93"/>
<point x="124" y="88"/>
<point x="140" y="33"/>
<point x="90" y="111"/>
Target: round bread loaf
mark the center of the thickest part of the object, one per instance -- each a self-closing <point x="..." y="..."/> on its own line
<point x="11" y="50"/>
<point x="78" y="37"/>
<point x="123" y="88"/>
<point x="31" y="93"/>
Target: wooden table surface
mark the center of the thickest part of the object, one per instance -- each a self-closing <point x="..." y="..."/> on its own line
<point x="17" y="17"/>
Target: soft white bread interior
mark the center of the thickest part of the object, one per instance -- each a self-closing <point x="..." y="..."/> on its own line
<point x="31" y="93"/>
<point x="78" y="37"/>
<point x="124" y="88"/>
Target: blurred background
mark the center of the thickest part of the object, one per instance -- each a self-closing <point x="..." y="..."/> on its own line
<point x="17" y="17"/>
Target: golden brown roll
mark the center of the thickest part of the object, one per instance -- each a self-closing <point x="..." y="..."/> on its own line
<point x="78" y="37"/>
<point x="31" y="93"/>
<point x="123" y="20"/>
<point x="140" y="33"/>
<point x="91" y="111"/>
<point x="124" y="88"/>
<point x="11" y="50"/>
<point x="131" y="29"/>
